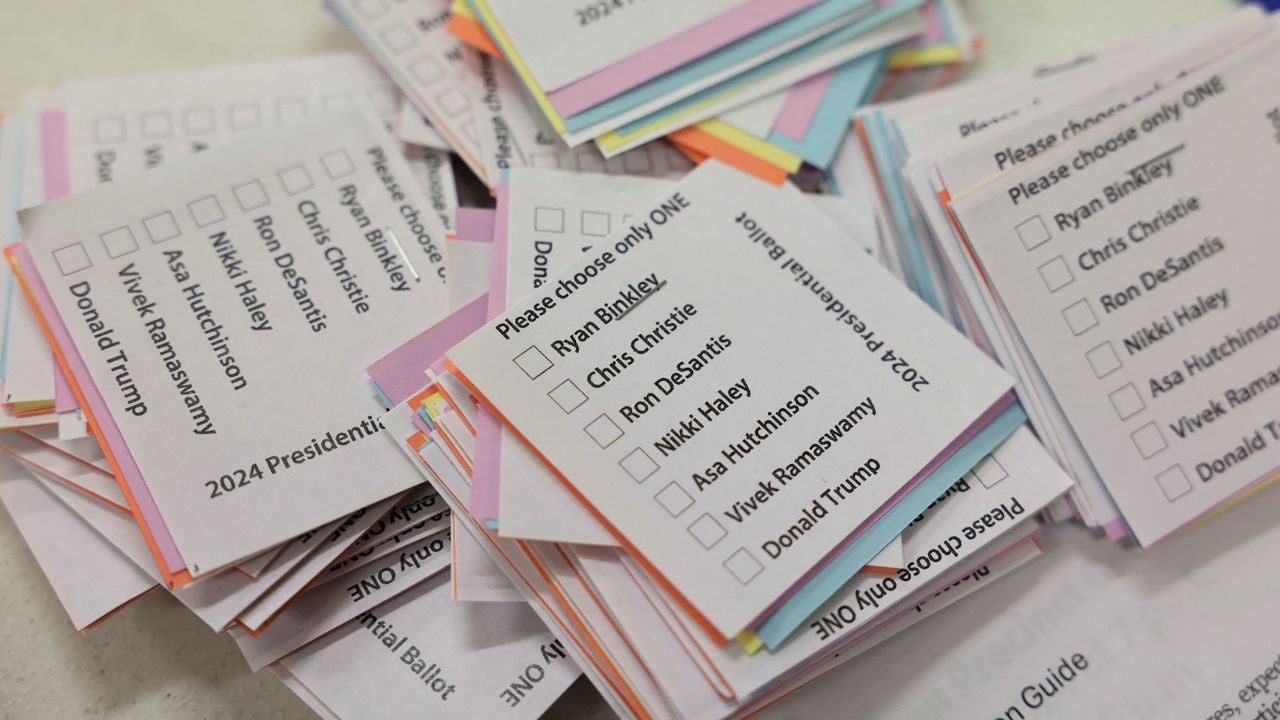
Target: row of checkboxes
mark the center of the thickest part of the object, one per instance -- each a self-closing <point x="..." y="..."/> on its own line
<point x="112" y="129"/>
<point x="205" y="212"/>
<point x="1103" y="359"/>
<point x="639" y="465"/>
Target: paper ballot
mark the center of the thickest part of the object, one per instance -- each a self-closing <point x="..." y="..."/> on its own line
<point x="188" y="301"/>
<point x="1135" y="264"/>
<point x="668" y="416"/>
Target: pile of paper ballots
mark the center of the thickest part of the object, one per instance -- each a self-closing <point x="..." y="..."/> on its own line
<point x="642" y="409"/>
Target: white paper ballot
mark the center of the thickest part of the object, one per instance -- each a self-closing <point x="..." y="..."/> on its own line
<point x="422" y="654"/>
<point x="1135" y="265"/>
<point x="192" y="302"/>
<point x="668" y="416"/>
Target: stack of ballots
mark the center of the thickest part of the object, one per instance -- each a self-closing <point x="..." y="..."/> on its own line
<point x="514" y="352"/>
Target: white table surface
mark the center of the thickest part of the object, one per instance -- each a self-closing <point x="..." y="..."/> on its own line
<point x="154" y="659"/>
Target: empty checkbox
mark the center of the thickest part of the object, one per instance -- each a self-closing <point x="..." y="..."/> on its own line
<point x="206" y="211"/>
<point x="109" y="129"/>
<point x="119" y="242"/>
<point x="568" y="396"/>
<point x="1173" y="483"/>
<point x="161" y="227"/>
<point x="604" y="431"/>
<point x="673" y="499"/>
<point x="251" y="195"/>
<point x="548" y="220"/>
<point x="199" y="120"/>
<point x="156" y="125"/>
<point x="595" y="224"/>
<point x="1080" y="317"/>
<point x="295" y="179"/>
<point x="989" y="471"/>
<point x="245" y="116"/>
<point x="399" y="38"/>
<point x="426" y="71"/>
<point x="72" y="259"/>
<point x="1056" y="274"/>
<point x="469" y="131"/>
<point x="371" y="9"/>
<point x="1127" y="402"/>
<point x="1149" y="440"/>
<point x="639" y="465"/>
<point x="453" y="102"/>
<point x="1103" y="359"/>
<point x="743" y="565"/>
<point x="532" y="362"/>
<point x="707" y="531"/>
<point x="338" y="164"/>
<point x="1032" y="233"/>
<point x="290" y="110"/>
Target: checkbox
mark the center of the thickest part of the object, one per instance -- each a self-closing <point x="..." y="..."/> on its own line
<point x="399" y="38"/>
<point x="604" y="431"/>
<point x="743" y="565"/>
<point x="371" y="9"/>
<point x="156" y="125"/>
<point x="532" y="362"/>
<point x="290" y="110"/>
<point x="1127" y="402"/>
<point x="426" y="71"/>
<point x="119" y="242"/>
<point x="568" y="396"/>
<point x="989" y="471"/>
<point x="1149" y="440"/>
<point x="707" y="531"/>
<point x="453" y="102"/>
<point x="109" y="129"/>
<point x="199" y="120"/>
<point x="469" y="131"/>
<point x="295" y="179"/>
<point x="1173" y="483"/>
<point x="1056" y="274"/>
<point x="594" y="223"/>
<point x="1032" y="232"/>
<point x="245" y="116"/>
<point x="338" y="164"/>
<point x="336" y="101"/>
<point x="673" y="499"/>
<point x="1103" y="359"/>
<point x="251" y="195"/>
<point x="206" y="211"/>
<point x="639" y="465"/>
<point x="72" y="259"/>
<point x="637" y="162"/>
<point x="1080" y="317"/>
<point x="161" y="227"/>
<point x="548" y="220"/>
